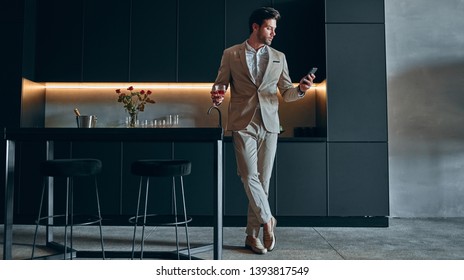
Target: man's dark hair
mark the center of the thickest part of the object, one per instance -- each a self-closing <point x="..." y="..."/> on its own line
<point x="260" y="15"/>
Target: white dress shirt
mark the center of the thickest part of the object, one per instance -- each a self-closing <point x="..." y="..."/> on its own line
<point x="257" y="61"/>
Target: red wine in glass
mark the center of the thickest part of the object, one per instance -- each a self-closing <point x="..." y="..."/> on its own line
<point x="218" y="94"/>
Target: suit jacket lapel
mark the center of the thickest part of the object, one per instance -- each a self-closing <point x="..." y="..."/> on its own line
<point x="271" y="60"/>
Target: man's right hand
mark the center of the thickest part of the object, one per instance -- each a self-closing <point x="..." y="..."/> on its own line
<point x="217" y="98"/>
<point x="217" y="94"/>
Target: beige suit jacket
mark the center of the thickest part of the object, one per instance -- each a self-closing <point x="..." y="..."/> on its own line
<point x="245" y="95"/>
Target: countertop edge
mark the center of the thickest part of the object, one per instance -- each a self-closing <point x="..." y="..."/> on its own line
<point x="115" y="134"/>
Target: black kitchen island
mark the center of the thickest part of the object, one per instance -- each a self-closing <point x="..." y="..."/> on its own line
<point x="209" y="137"/>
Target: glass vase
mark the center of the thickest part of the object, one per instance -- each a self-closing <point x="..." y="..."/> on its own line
<point x="132" y="121"/>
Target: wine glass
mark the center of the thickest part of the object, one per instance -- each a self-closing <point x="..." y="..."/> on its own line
<point x="218" y="94"/>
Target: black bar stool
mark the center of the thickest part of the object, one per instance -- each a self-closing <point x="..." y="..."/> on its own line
<point x="69" y="168"/>
<point x="161" y="168"/>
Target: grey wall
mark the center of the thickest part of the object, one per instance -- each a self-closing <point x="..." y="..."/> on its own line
<point x="425" y="72"/>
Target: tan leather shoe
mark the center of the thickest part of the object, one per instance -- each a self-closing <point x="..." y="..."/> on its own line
<point x="269" y="235"/>
<point x="255" y="245"/>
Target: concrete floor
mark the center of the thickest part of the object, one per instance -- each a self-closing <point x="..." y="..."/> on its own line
<point x="404" y="239"/>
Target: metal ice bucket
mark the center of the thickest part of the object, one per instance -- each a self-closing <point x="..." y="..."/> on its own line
<point x="86" y="121"/>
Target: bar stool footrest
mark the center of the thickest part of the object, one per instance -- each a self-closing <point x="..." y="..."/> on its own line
<point x="78" y="220"/>
<point x="161" y="220"/>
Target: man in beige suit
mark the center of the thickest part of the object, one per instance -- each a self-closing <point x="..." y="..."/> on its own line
<point x="256" y="73"/>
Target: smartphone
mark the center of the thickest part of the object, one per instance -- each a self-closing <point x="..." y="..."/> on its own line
<point x="313" y="71"/>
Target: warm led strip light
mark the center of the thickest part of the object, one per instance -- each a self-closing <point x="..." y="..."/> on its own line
<point x="66" y="85"/>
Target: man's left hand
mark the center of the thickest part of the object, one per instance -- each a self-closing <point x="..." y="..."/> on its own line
<point x="306" y="82"/>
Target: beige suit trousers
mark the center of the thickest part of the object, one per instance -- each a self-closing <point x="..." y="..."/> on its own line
<point x="255" y="150"/>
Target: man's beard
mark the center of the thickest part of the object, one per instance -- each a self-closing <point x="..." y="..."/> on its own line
<point x="266" y="41"/>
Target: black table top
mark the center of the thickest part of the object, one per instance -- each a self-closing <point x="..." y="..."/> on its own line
<point x="191" y="134"/>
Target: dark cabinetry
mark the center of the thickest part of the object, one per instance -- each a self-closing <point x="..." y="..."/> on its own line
<point x="124" y="40"/>
<point x="163" y="41"/>
<point x="201" y="39"/>
<point x="358" y="179"/>
<point x="106" y="40"/>
<point x="59" y="40"/>
<point x="358" y="11"/>
<point x="153" y="41"/>
<point x="301" y="179"/>
<point x="356" y="82"/>
<point x="356" y="108"/>
<point x="310" y="179"/>
<point x="81" y="40"/>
